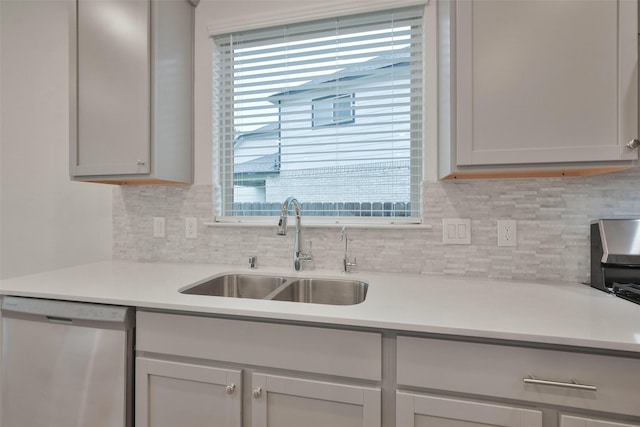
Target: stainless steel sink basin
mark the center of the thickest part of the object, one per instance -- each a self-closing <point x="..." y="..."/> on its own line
<point x="277" y="288"/>
<point x="237" y="286"/>
<point x="324" y="291"/>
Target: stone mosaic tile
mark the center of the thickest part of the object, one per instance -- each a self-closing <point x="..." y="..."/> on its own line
<point x="552" y="214"/>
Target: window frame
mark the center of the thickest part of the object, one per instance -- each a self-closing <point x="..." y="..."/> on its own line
<point x="334" y="101"/>
<point x="430" y="111"/>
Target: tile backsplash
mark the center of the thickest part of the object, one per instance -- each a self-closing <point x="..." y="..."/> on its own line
<point x="552" y="214"/>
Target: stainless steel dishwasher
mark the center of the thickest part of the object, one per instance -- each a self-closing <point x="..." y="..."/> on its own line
<point x="65" y="364"/>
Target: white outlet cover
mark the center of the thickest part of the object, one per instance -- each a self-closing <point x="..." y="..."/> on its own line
<point x="507" y="232"/>
<point x="191" y="227"/>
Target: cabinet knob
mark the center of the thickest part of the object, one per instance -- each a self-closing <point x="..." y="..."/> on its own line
<point x="634" y="143"/>
<point x="257" y="392"/>
<point x="231" y="388"/>
<point x="140" y="162"/>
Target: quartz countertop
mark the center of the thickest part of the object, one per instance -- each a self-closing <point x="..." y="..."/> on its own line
<point x="568" y="314"/>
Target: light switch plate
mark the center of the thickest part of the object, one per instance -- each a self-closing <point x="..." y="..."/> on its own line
<point x="456" y="231"/>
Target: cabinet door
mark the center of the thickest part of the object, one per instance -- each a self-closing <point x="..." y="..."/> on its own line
<point x="170" y="394"/>
<point x="573" y="421"/>
<point x="113" y="88"/>
<point x="285" y="402"/>
<point x="415" y="410"/>
<point x="546" y="81"/>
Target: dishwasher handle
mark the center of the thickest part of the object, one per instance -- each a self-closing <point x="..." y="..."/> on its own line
<point x="68" y="312"/>
<point x="63" y="320"/>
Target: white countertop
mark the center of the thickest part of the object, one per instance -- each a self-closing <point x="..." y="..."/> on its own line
<point x="564" y="314"/>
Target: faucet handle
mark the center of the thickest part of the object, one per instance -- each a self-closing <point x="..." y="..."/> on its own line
<point x="348" y="264"/>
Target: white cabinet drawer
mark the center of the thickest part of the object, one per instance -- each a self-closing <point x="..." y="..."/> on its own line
<point x="343" y="353"/>
<point x="498" y="370"/>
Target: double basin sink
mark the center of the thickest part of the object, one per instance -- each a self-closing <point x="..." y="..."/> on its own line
<point x="281" y="288"/>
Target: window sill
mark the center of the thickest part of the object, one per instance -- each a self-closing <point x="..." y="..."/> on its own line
<point x="315" y="223"/>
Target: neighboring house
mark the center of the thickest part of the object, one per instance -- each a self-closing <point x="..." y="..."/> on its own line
<point x="279" y="159"/>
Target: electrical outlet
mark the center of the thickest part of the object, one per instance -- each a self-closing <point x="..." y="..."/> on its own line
<point x="507" y="232"/>
<point x="456" y="231"/>
<point x="191" y="227"/>
<point x="158" y="226"/>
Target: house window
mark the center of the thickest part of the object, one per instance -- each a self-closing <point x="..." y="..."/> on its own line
<point x="329" y="112"/>
<point x="333" y="110"/>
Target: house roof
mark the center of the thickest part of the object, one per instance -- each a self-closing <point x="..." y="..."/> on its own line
<point x="268" y="164"/>
<point x="269" y="130"/>
<point x="399" y="58"/>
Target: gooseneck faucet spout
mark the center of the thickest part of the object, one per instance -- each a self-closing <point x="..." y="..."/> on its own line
<point x="298" y="255"/>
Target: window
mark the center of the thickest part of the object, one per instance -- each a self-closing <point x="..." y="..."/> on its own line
<point x="333" y="110"/>
<point x="329" y="112"/>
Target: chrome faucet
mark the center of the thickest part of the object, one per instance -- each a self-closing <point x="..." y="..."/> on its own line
<point x="298" y="255"/>
<point x="346" y="263"/>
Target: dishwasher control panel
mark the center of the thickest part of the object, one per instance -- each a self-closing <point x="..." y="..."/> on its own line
<point x="65" y="309"/>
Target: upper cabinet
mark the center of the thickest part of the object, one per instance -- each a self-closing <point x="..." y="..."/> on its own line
<point x="132" y="91"/>
<point x="542" y="85"/>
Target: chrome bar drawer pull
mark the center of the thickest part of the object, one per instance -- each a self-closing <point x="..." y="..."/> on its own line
<point x="573" y="384"/>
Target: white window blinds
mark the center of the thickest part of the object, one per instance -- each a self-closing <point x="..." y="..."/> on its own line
<point x="329" y="112"/>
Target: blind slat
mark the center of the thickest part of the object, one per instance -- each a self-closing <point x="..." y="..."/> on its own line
<point x="344" y="40"/>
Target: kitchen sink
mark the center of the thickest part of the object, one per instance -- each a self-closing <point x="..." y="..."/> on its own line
<point x="277" y="288"/>
<point x="237" y="286"/>
<point x="324" y="291"/>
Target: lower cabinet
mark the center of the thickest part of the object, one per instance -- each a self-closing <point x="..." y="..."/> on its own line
<point x="170" y="394"/>
<point x="418" y="410"/>
<point x="512" y="386"/>
<point x="196" y="371"/>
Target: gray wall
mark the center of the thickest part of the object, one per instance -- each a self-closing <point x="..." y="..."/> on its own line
<point x="46" y="221"/>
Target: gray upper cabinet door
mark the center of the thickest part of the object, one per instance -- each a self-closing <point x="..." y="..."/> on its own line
<point x="132" y="91"/>
<point x="114" y="121"/>
<point x="546" y="81"/>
